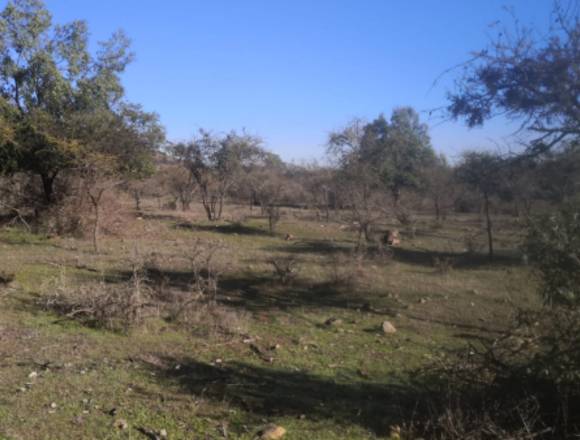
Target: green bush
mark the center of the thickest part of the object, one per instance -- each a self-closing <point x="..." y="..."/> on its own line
<point x="553" y="245"/>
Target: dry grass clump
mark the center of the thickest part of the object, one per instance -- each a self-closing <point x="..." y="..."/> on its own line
<point x="209" y="319"/>
<point x="115" y="307"/>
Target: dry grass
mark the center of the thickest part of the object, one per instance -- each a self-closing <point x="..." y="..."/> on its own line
<point x="277" y="359"/>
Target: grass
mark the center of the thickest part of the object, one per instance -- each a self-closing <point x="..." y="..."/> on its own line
<point x="318" y="381"/>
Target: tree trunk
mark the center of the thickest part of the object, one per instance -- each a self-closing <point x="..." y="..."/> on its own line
<point x="48" y="188"/>
<point x="489" y="225"/>
<point x="96" y="201"/>
<point x="137" y="197"/>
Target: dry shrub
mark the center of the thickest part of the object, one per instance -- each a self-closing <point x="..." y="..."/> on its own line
<point x="74" y="215"/>
<point x="347" y="269"/>
<point x="285" y="269"/>
<point x="443" y="265"/>
<point x="210" y="319"/>
<point x="196" y="308"/>
<point x="116" y="307"/>
<point x="525" y="384"/>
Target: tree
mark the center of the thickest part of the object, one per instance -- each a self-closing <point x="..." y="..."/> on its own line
<point x="439" y="186"/>
<point x="358" y="180"/>
<point x="527" y="76"/>
<point x="61" y="100"/>
<point x="216" y="164"/>
<point x="400" y="149"/>
<point x="396" y="150"/>
<point x="483" y="173"/>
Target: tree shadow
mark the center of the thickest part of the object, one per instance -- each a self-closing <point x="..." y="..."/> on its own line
<point x="268" y="392"/>
<point x="263" y="292"/>
<point x="424" y="257"/>
<point x="322" y="247"/>
<point x="228" y="228"/>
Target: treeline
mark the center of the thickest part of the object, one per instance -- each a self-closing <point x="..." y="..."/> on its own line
<point x="69" y="138"/>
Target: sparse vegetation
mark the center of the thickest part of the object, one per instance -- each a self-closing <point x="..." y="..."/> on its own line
<point x="209" y="289"/>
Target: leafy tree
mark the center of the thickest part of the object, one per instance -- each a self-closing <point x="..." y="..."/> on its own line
<point x="60" y="99"/>
<point x="529" y="76"/>
<point x="400" y="149"/>
<point x="396" y="150"/>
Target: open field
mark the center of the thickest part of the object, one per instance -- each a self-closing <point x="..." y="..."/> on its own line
<point x="279" y="360"/>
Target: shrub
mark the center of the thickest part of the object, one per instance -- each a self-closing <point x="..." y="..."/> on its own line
<point x="553" y="245"/>
<point x="285" y="269"/>
<point x="524" y="384"/>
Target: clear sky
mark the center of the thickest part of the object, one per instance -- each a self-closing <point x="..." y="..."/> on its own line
<point x="293" y="70"/>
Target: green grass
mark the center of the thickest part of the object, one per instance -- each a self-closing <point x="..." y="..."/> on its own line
<point x="322" y="382"/>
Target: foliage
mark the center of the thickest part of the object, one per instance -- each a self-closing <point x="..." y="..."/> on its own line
<point x="395" y="151"/>
<point x="528" y="76"/>
<point x="217" y="163"/>
<point x="553" y="244"/>
<point x="60" y="100"/>
<point x="524" y="384"/>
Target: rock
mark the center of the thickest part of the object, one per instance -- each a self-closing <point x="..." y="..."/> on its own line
<point x="53" y="405"/>
<point x="388" y="328"/>
<point x="6" y="278"/>
<point x="272" y="432"/>
<point x="121" y="424"/>
<point x="422" y="301"/>
<point x="332" y="322"/>
<point x="163" y="433"/>
<point x="33" y="375"/>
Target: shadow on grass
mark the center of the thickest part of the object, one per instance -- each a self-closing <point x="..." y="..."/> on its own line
<point x="228" y="228"/>
<point x="322" y="247"/>
<point x="426" y="257"/>
<point x="269" y="392"/>
<point x="261" y="292"/>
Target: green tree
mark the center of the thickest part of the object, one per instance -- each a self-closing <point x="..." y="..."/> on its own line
<point x="61" y="99"/>
<point x="400" y="149"/>
<point x="527" y="75"/>
<point x="396" y="150"/>
<point x="217" y="163"/>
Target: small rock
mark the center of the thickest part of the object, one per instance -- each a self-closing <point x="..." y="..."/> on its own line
<point x="121" y="424"/>
<point x="330" y="322"/>
<point x="422" y="301"/>
<point x="272" y="432"/>
<point x="163" y="433"/>
<point x="33" y="374"/>
<point x="53" y="405"/>
<point x="388" y="328"/>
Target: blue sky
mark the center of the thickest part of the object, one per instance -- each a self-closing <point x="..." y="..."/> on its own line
<point x="293" y="70"/>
